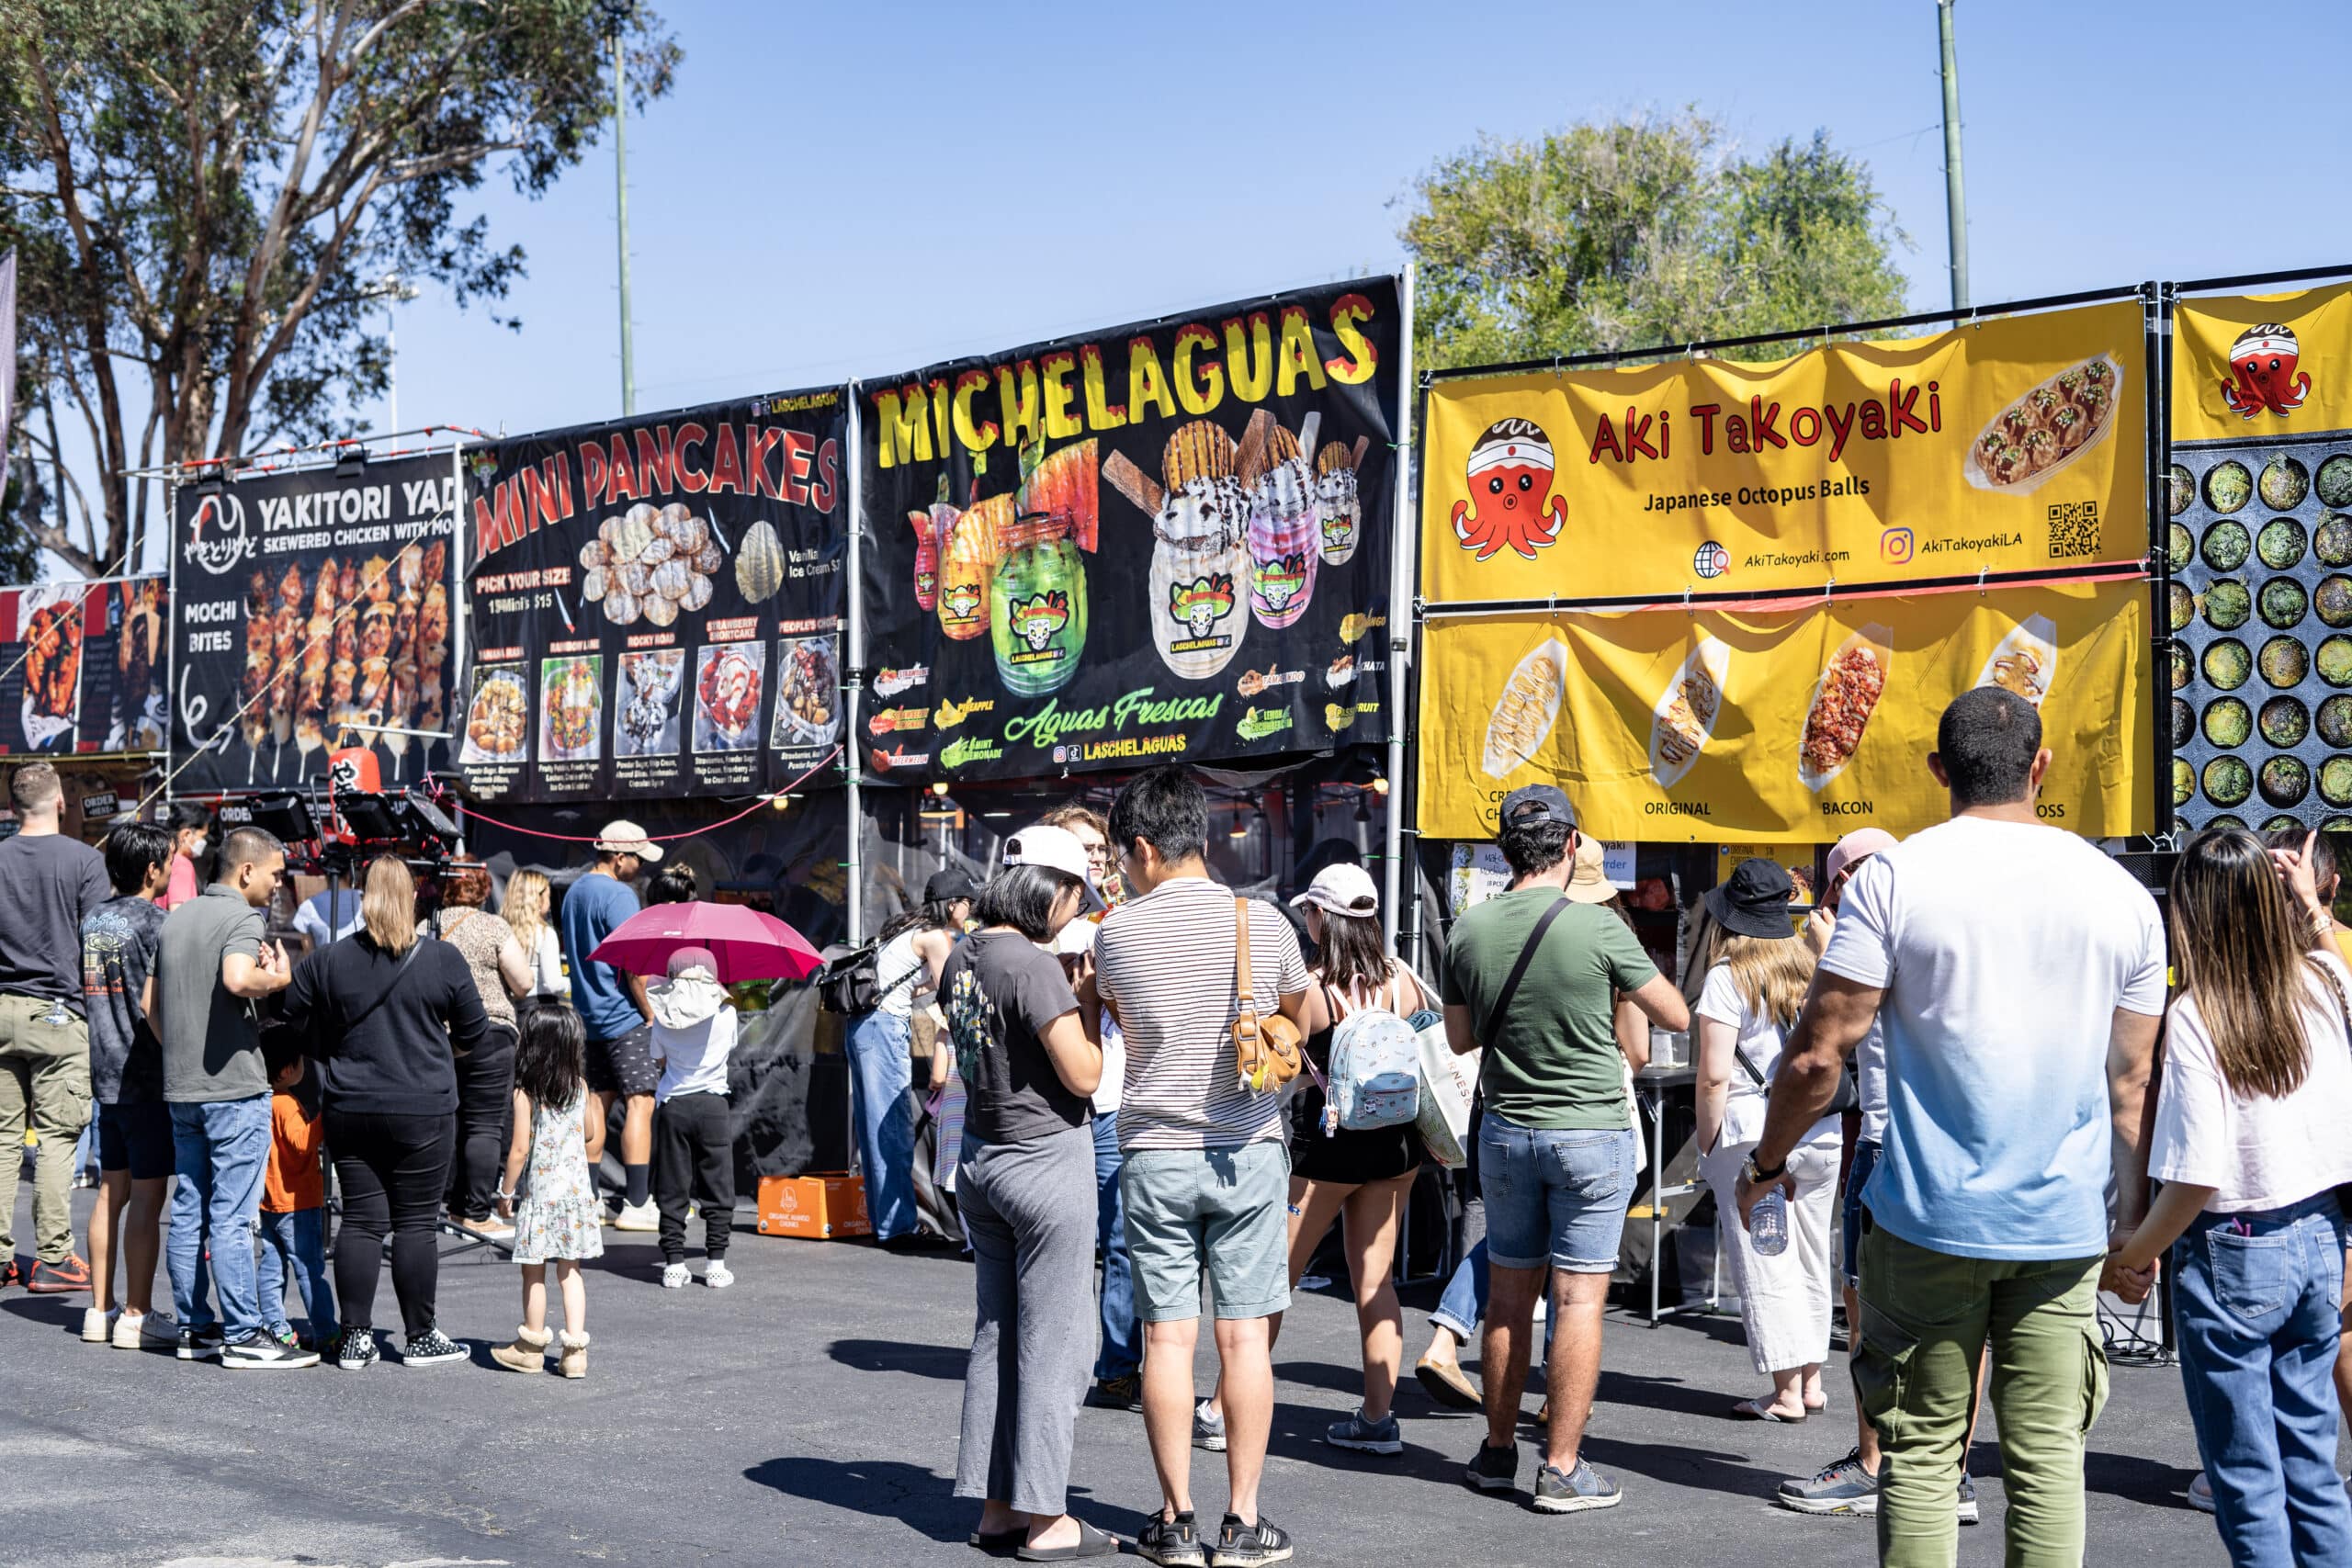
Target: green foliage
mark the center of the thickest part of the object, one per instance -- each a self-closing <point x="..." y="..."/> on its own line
<point x="205" y="192"/>
<point x="1637" y="232"/>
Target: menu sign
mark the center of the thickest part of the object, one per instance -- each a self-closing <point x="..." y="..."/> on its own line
<point x="1167" y="540"/>
<point x="656" y="603"/>
<point x="312" y="613"/>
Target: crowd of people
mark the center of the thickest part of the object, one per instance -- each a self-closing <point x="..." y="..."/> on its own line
<point x="1980" y="1039"/>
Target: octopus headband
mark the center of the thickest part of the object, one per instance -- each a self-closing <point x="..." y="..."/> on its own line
<point x="1522" y="452"/>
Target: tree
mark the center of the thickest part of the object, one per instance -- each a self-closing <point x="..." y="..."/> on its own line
<point x="204" y="193"/>
<point x="1638" y="232"/>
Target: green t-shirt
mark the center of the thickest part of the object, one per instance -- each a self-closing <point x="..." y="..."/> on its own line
<point x="1553" y="1065"/>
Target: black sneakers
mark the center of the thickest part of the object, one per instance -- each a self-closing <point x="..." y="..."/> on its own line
<point x="199" y="1343"/>
<point x="1172" y="1544"/>
<point x="262" y="1353"/>
<point x="1493" y="1468"/>
<point x="357" y="1351"/>
<point x="1246" y="1546"/>
<point x="431" y="1349"/>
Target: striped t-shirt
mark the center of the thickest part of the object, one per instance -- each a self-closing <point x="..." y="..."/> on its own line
<point x="1165" y="962"/>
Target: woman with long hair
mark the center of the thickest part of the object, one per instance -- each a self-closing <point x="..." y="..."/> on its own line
<point x="486" y="1078"/>
<point x="1752" y="995"/>
<point x="914" y="947"/>
<point x="388" y="1012"/>
<point x="2249" y="1143"/>
<point x="528" y="899"/>
<point x="1026" y="1049"/>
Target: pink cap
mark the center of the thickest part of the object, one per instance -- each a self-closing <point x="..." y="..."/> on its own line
<point x="1859" y="844"/>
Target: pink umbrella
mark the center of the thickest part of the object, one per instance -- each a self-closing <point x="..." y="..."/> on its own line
<point x="748" y="944"/>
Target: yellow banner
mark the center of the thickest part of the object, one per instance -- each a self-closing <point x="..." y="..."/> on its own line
<point x="2251" y="366"/>
<point x="1782" y="726"/>
<point x="2008" y="445"/>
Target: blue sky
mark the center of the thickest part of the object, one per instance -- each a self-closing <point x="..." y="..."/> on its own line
<point x="845" y="191"/>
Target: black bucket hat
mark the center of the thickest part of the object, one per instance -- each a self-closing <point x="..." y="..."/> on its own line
<point x="1754" y="901"/>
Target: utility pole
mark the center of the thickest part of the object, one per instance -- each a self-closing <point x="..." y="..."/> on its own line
<point x="1955" y="196"/>
<point x="617" y="14"/>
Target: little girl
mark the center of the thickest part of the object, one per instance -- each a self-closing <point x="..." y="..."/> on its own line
<point x="556" y="1220"/>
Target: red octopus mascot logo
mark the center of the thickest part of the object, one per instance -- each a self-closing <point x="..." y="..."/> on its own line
<point x="1510" y="492"/>
<point x="2263" y="374"/>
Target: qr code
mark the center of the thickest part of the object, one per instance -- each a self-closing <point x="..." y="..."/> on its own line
<point x="2073" y="529"/>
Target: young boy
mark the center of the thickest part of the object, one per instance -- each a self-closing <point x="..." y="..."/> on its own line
<point x="694" y="1140"/>
<point x="134" y="1125"/>
<point x="293" y="1201"/>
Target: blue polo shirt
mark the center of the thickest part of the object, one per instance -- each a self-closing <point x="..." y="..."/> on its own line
<point x="593" y="906"/>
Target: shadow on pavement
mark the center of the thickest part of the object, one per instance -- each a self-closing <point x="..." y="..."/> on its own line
<point x="57" y="1312"/>
<point x="943" y="1362"/>
<point x="916" y="1498"/>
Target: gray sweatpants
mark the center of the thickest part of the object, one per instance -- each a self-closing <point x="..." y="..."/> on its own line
<point x="1029" y="1210"/>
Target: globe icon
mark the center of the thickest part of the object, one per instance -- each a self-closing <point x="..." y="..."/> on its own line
<point x="1710" y="559"/>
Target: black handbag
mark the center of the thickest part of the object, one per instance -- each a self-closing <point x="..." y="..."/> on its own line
<point x="1848" y="1096"/>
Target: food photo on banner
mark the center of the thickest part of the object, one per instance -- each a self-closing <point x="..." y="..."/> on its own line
<point x="2009" y="445"/>
<point x="83" y="670"/>
<point x="2259" y="501"/>
<point x="310" y="612"/>
<point x="1166" y="540"/>
<point x="655" y="604"/>
<point x="1779" y="723"/>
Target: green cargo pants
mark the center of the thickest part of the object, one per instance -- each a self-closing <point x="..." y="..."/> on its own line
<point x="44" y="1080"/>
<point x="1927" y="1317"/>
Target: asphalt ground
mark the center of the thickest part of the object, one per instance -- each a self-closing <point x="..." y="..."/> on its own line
<point x="809" y="1416"/>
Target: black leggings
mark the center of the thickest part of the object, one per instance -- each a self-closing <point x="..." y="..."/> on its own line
<point x="391" y="1170"/>
<point x="485" y="1115"/>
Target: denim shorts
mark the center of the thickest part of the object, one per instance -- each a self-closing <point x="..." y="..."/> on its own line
<point x="1554" y="1197"/>
<point x="1221" y="1212"/>
<point x="1857" y="1176"/>
<point x="136" y="1138"/>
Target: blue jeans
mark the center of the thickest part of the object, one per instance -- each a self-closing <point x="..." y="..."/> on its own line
<point x="2256" y="1298"/>
<point x="1121" y="1354"/>
<point x="220" y="1151"/>
<point x="294" y="1241"/>
<point x="1465" y="1301"/>
<point x="1556" y="1197"/>
<point x="881" y="1081"/>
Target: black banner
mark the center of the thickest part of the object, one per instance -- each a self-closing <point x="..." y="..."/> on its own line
<point x="310" y="612"/>
<point x="84" y="670"/>
<point x="655" y="604"/>
<point x="1167" y="540"/>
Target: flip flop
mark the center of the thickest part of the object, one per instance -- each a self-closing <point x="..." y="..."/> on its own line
<point x="1090" y="1542"/>
<point x="1758" y="1410"/>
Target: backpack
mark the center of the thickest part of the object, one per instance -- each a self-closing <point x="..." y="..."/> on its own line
<point x="1375" y="1069"/>
<point x="846" y="981"/>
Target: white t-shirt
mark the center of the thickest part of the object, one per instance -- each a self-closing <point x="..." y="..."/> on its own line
<point x="693" y="1059"/>
<point x="2005" y="950"/>
<point x="1870" y="1083"/>
<point x="896" y="975"/>
<point x="2259" y="1153"/>
<point x="1760" y="1043"/>
<point x="548" y="979"/>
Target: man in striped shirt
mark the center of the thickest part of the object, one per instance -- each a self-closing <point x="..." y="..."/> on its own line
<point x="1205" y="1175"/>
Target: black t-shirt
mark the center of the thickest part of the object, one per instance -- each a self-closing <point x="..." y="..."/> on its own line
<point x="1000" y="990"/>
<point x="49" y="885"/>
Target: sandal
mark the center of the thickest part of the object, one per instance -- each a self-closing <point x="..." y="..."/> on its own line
<point x="998" y="1544"/>
<point x="1090" y="1542"/>
<point x="1761" y="1410"/>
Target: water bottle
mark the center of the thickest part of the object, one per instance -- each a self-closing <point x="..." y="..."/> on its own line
<point x="1767" y="1224"/>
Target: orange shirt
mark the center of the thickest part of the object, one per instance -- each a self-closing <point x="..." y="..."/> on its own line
<point x="295" y="1136"/>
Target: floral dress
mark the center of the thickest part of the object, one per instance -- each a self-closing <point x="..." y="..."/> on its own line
<point x="557" y="1216"/>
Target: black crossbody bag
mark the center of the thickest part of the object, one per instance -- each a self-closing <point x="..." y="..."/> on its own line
<point x="1848" y="1095"/>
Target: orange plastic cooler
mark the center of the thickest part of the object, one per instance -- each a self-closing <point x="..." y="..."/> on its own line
<point x="820" y="1208"/>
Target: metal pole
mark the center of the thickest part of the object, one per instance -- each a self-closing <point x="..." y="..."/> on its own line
<point x="620" y="196"/>
<point x="1955" y="198"/>
<point x="392" y="358"/>
<point x="854" y="674"/>
<point x="1405" y="545"/>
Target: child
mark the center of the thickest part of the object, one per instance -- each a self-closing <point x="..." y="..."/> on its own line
<point x="693" y="1143"/>
<point x="293" y="1201"/>
<point x="134" y="1124"/>
<point x="558" y="1220"/>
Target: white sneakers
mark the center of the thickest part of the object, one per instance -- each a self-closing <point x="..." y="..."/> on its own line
<point x="638" y="1217"/>
<point x="98" y="1325"/>
<point x="139" y="1331"/>
<point x="674" y="1275"/>
<point x="718" y="1276"/>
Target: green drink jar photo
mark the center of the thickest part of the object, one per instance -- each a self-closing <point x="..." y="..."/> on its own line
<point x="1037" y="604"/>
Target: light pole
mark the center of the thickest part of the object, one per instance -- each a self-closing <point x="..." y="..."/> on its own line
<point x="617" y="14"/>
<point x="1955" y="198"/>
<point x="393" y="289"/>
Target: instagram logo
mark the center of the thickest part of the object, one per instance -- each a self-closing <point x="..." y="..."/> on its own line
<point x="1894" y="545"/>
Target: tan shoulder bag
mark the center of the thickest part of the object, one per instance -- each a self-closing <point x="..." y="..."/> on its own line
<point x="1265" y="1044"/>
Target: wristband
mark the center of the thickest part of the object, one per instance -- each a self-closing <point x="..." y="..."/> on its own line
<point x="1757" y="1173"/>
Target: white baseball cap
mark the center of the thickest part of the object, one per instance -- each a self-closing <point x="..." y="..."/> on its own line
<point x="1057" y="849"/>
<point x="623" y="837"/>
<point x="1344" y="889"/>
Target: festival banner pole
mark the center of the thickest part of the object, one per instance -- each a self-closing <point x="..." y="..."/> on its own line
<point x="1403" y="576"/>
<point x="853" y="677"/>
